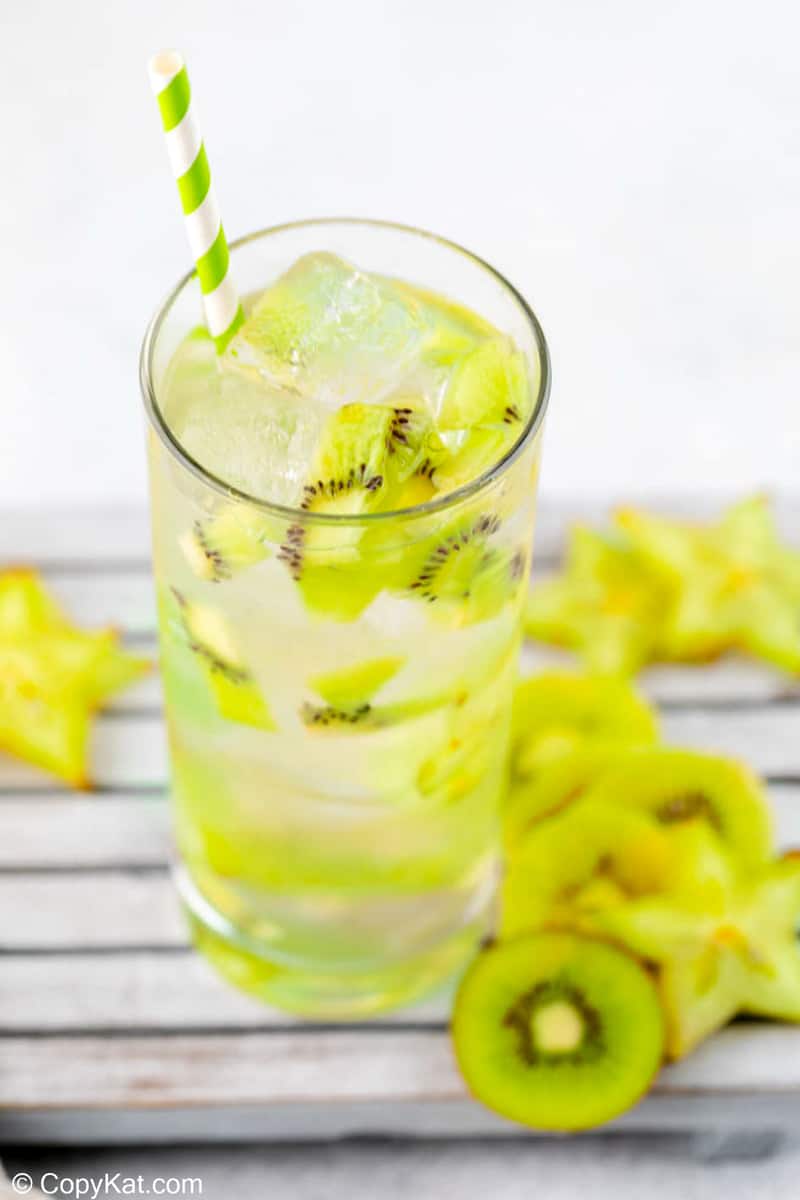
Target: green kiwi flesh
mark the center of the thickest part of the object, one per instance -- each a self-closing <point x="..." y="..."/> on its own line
<point x="236" y="694"/>
<point x="556" y="712"/>
<point x="556" y="785"/>
<point x="557" y="1032"/>
<point x="552" y="872"/>
<point x="217" y="547"/>
<point x="679" y="786"/>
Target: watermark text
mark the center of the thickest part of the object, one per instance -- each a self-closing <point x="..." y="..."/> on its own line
<point x="94" y="1187"/>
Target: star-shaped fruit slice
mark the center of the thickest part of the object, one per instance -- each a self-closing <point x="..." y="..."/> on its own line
<point x="593" y="859"/>
<point x="736" y="585"/>
<point x="53" y="677"/>
<point x="731" y="948"/>
<point x="556" y="712"/>
<point x="607" y="605"/>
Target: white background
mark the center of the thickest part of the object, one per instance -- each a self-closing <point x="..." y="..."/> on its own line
<point x="634" y="167"/>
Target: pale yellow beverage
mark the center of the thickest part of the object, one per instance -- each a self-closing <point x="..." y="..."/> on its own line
<point x="343" y="508"/>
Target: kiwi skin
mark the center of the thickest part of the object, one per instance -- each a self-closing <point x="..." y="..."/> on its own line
<point x="615" y="1005"/>
<point x="677" y="786"/>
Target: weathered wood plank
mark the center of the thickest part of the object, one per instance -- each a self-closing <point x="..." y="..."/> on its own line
<point x="250" y="1068"/>
<point x="144" y="694"/>
<point x="141" y="991"/>
<point x="123" y="598"/>
<point x="328" y="1067"/>
<point x="128" y="908"/>
<point x="69" y="831"/>
<point x="731" y="680"/>
<point x="65" y="830"/>
<point x="129" y="750"/>
<point x="771" y="1115"/>
<point x="89" y="536"/>
<point x="767" y="738"/>
<point x="89" y="909"/>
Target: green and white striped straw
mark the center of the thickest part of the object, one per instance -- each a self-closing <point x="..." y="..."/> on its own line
<point x="187" y="156"/>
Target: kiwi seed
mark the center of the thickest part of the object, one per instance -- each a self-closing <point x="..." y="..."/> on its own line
<point x="426" y="581"/>
<point x="686" y="807"/>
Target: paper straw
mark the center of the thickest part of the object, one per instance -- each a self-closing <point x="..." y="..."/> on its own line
<point x="187" y="157"/>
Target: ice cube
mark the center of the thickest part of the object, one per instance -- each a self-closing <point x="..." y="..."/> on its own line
<point x="256" y="438"/>
<point x="333" y="333"/>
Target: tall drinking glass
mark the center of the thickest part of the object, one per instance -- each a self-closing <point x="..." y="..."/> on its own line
<point x="338" y="853"/>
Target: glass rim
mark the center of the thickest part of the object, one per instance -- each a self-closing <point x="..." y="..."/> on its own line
<point x="287" y="512"/>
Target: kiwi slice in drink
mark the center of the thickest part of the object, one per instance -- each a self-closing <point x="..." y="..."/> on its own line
<point x="235" y="692"/>
<point x="348" y="699"/>
<point x="449" y="564"/>
<point x="374" y="458"/>
<point x="557" y="712"/>
<point x="682" y="786"/>
<point x="354" y="685"/>
<point x="558" y="1032"/>
<point x="217" y="547"/>
<point x="367" y="454"/>
<point x="461" y="571"/>
<point x="483" y="411"/>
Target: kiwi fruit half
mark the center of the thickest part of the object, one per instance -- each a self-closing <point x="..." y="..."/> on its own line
<point x="678" y="786"/>
<point x="557" y="1032"/>
<point x="558" y="711"/>
<point x="556" y="785"/>
<point x="236" y="693"/>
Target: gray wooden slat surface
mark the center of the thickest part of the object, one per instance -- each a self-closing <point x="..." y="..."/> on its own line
<point x="171" y="992"/>
<point x="286" y="1066"/>
<point x="65" y="831"/>
<point x="69" y="830"/>
<point x="130" y="749"/>
<point x="133" y="904"/>
<point x="110" y="1026"/>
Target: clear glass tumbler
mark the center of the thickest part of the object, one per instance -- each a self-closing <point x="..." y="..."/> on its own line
<point x="339" y="864"/>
